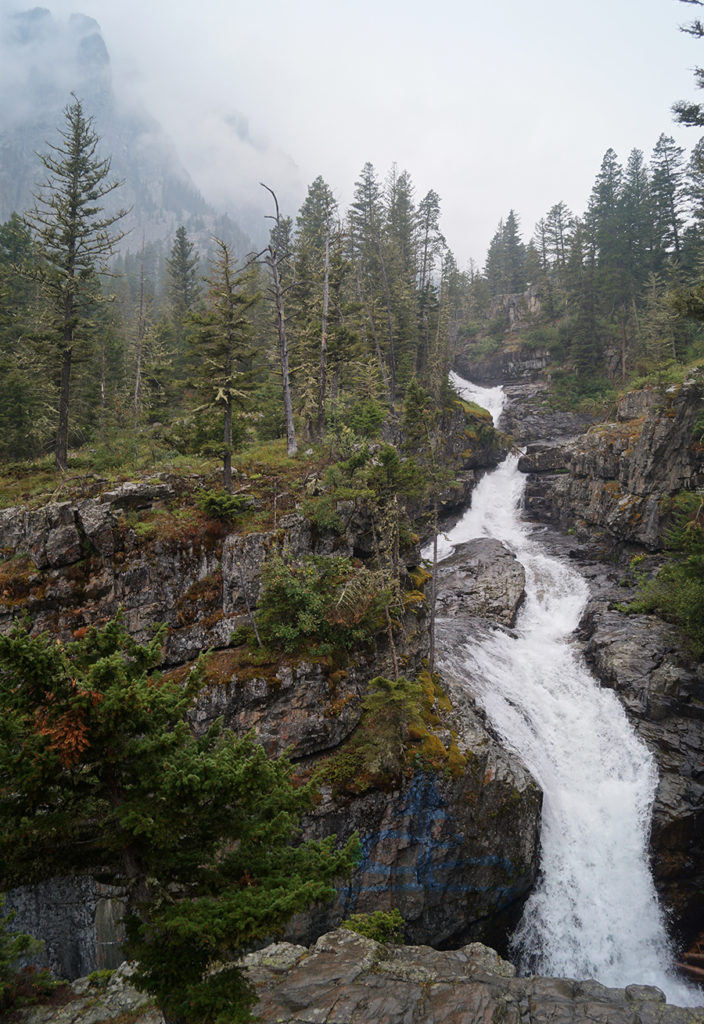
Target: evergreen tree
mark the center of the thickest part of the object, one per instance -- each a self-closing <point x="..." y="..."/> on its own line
<point x="75" y="240"/>
<point x="103" y="776"/>
<point x="399" y="247"/>
<point x="366" y="222"/>
<point x="686" y="112"/>
<point x="667" y="182"/>
<point x="316" y="254"/>
<point x="431" y="247"/>
<point x="22" y="370"/>
<point x="606" y="227"/>
<point x="182" y="271"/>
<point x="586" y="344"/>
<point x="505" y="262"/>
<point x="514" y="254"/>
<point x="558" y="225"/>
<point x="221" y="347"/>
<point x="638" y="222"/>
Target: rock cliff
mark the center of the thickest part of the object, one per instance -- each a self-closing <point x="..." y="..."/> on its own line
<point x="448" y="821"/>
<point x="612" y="482"/>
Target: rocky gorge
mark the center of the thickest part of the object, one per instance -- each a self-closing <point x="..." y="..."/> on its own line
<point x="452" y="840"/>
<point x="609" y="492"/>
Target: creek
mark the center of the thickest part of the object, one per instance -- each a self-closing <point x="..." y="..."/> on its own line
<point x="594" y="912"/>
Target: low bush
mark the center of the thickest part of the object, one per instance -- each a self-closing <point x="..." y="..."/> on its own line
<point x="381" y="925"/>
<point x="323" y="605"/>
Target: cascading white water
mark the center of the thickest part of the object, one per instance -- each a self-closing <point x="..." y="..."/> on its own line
<point x="594" y="912"/>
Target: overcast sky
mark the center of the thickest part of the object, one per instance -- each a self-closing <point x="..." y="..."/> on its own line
<point x="494" y="105"/>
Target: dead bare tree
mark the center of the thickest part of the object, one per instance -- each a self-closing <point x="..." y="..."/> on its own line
<point x="322" y="383"/>
<point x="273" y="256"/>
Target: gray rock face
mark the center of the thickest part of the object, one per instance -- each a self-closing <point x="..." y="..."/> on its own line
<point x="298" y="709"/>
<point x="517" y="364"/>
<point x="454" y="849"/>
<point x="641" y="658"/>
<point x="528" y="419"/>
<point x="617" y="474"/>
<point x="484" y="580"/>
<point x="78" y="919"/>
<point x="346" y="977"/>
<point x="543" y="458"/>
<point x="455" y="852"/>
<point x="94" y="1002"/>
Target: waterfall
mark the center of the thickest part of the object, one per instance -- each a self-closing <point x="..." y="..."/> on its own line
<point x="594" y="912"/>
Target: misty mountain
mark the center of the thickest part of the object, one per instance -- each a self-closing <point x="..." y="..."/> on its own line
<point x="42" y="61"/>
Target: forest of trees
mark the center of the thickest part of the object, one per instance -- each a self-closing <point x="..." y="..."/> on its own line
<point x="615" y="283"/>
<point x="197" y="353"/>
<point x="190" y="350"/>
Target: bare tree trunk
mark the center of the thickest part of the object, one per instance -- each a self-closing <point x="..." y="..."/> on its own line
<point x="61" y="456"/>
<point x="227" y="439"/>
<point x="103" y="388"/>
<point x="322" y="384"/>
<point x="624" y="348"/>
<point x="433" y="587"/>
<point x="250" y="616"/>
<point x="392" y="357"/>
<point x="291" y="445"/>
<point x="379" y="356"/>
<point x="273" y="261"/>
<point x="140" y="343"/>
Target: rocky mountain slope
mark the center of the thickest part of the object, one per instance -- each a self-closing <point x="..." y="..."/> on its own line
<point x="43" y="60"/>
<point x="450" y="837"/>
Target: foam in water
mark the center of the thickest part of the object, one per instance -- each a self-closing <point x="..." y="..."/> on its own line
<point x="594" y="912"/>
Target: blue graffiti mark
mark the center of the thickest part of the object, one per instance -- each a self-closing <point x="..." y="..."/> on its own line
<point x="426" y="813"/>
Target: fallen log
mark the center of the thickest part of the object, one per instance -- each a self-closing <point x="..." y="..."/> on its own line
<point x="697" y="973"/>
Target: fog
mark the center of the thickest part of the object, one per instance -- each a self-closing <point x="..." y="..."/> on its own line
<point x="510" y="105"/>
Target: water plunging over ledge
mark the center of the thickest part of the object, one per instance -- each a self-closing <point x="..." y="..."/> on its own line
<point x="594" y="912"/>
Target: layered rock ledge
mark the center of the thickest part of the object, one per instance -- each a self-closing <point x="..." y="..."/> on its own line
<point x="345" y="977"/>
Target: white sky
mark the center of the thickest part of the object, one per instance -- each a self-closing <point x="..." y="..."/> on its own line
<point x="496" y="105"/>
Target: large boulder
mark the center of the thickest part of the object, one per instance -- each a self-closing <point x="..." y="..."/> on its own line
<point x="482" y="579"/>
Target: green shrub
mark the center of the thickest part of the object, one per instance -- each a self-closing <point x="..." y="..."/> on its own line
<point x="365" y="417"/>
<point x="221" y="505"/>
<point x="323" y="605"/>
<point x="676" y="594"/>
<point x="381" y="925"/>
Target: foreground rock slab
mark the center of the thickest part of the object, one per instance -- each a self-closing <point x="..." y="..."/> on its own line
<point x="346" y="978"/>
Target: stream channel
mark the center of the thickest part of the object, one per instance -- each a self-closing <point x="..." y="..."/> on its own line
<point x="594" y="912"/>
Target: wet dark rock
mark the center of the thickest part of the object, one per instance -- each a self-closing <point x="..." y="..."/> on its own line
<point x="78" y="919"/>
<point x="454" y="851"/>
<point x="642" y="659"/>
<point x="483" y="579"/>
